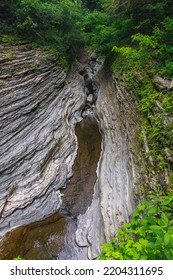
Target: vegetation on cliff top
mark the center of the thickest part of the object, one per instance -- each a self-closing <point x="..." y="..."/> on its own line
<point x="149" y="236"/>
<point x="54" y="25"/>
<point x="66" y="25"/>
<point x="137" y="37"/>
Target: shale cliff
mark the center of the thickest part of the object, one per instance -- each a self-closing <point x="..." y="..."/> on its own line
<point x="119" y="172"/>
<point x="40" y="106"/>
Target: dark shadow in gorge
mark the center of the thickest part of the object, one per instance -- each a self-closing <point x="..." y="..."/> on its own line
<point x="54" y="237"/>
<point x="79" y="192"/>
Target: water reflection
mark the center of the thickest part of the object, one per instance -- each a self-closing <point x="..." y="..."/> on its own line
<point x="40" y="240"/>
<point x="54" y="238"/>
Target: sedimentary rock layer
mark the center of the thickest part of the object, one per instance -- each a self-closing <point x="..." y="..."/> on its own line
<point x="39" y="106"/>
<point x="118" y="173"/>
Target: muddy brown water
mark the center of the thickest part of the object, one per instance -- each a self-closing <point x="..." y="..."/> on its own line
<point x="54" y="237"/>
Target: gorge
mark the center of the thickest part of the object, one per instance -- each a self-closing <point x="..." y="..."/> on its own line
<point x="40" y="107"/>
<point x="86" y="129"/>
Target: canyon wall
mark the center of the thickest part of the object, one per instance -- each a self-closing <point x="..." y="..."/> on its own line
<point x="40" y="106"/>
<point x="119" y="171"/>
<point x="38" y="109"/>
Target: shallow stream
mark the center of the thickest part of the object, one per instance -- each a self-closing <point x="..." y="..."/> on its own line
<point x="54" y="237"/>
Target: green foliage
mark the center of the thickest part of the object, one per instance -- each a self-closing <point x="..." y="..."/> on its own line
<point x="150" y="55"/>
<point x="138" y="36"/>
<point x="67" y="25"/>
<point x="18" y="258"/>
<point x="10" y="39"/>
<point x="98" y="33"/>
<point x="149" y="236"/>
<point x="149" y="24"/>
<point x="47" y="23"/>
<point x="149" y="48"/>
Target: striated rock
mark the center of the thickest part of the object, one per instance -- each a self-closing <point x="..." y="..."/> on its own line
<point x="39" y="108"/>
<point x="118" y="175"/>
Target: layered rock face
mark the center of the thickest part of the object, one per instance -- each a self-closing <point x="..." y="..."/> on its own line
<point x="40" y="106"/>
<point x="38" y="109"/>
<point x="118" y="171"/>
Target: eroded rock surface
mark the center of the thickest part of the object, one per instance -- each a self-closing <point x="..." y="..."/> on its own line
<point x="118" y="172"/>
<point x="40" y="106"/>
<point x="38" y="109"/>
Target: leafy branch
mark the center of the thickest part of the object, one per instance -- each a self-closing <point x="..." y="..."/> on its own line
<point x="149" y="236"/>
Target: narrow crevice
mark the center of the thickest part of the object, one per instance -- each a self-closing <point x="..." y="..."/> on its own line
<point x="91" y="87"/>
<point x="55" y="237"/>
